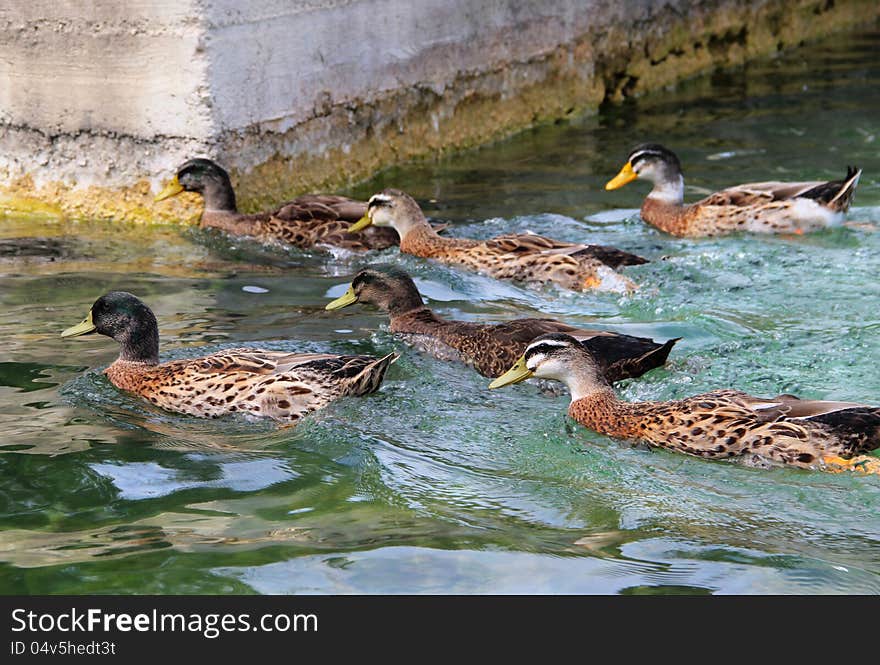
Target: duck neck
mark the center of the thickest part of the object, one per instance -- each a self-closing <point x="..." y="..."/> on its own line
<point x="666" y="216"/>
<point x="219" y="196"/>
<point x="582" y="385"/>
<point x="402" y="301"/>
<point x="417" y="320"/>
<point x="600" y="411"/>
<point x="669" y="191"/>
<point x="140" y="344"/>
<point x="415" y="232"/>
<point x="583" y="378"/>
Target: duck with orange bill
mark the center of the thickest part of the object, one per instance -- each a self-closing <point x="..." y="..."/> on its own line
<point x="758" y="207"/>
<point x="523" y="257"/>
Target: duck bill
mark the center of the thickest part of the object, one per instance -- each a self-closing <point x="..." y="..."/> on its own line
<point x="361" y="224"/>
<point x="625" y="176"/>
<point x="173" y="188"/>
<point x="348" y="298"/>
<point x="519" y="372"/>
<point x="84" y="328"/>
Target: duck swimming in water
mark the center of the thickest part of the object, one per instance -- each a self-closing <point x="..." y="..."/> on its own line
<point x="274" y="384"/>
<point x="759" y="207"/>
<point x="307" y="221"/>
<point x="724" y="424"/>
<point x="490" y="348"/>
<point x="520" y="257"/>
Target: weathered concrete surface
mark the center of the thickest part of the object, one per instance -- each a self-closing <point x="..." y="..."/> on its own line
<point x="100" y="101"/>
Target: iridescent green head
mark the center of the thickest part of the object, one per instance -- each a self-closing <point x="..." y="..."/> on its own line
<point x="125" y="318"/>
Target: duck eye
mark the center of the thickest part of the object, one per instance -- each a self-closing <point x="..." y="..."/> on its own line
<point x="534" y="360"/>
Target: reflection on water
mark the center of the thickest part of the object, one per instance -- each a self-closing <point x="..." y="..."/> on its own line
<point x="653" y="563"/>
<point x="434" y="484"/>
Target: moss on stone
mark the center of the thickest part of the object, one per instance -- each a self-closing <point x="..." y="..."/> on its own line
<point x="623" y="61"/>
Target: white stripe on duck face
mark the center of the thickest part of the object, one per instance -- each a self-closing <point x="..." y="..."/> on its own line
<point x="378" y="200"/>
<point x="645" y="153"/>
<point x="547" y="342"/>
<point x="536" y="353"/>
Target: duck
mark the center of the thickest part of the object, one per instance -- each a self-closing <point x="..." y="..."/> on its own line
<point x="489" y="348"/>
<point x="255" y="382"/>
<point x="528" y="258"/>
<point x="724" y="424"/>
<point x="759" y="207"/>
<point x="305" y="222"/>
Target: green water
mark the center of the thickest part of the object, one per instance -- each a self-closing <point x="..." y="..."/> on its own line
<point x="435" y="484"/>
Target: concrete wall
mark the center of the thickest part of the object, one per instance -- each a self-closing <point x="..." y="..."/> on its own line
<point x="100" y="100"/>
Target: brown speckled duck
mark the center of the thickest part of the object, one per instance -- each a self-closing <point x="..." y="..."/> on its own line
<point x="308" y="221"/>
<point x="521" y="257"/>
<point x="759" y="207"/>
<point x="273" y="384"/>
<point x="490" y="348"/>
<point x="724" y="424"/>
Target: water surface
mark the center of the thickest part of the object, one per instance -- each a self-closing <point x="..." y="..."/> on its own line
<point x="435" y="484"/>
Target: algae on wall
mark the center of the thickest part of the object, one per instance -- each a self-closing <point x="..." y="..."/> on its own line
<point x="528" y="72"/>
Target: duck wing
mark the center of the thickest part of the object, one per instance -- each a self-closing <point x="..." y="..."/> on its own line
<point x="277" y="384"/>
<point x="523" y="331"/>
<point x="794" y="408"/>
<point x="323" y="207"/>
<point x="351" y="375"/>
<point x="528" y="243"/>
<point x="855" y="426"/>
<point x="253" y="361"/>
<point x="740" y="197"/>
<point x="835" y="193"/>
<point x="624" y="356"/>
<point x="318" y="219"/>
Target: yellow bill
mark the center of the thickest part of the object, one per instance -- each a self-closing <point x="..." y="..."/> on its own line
<point x="173" y="188"/>
<point x="519" y="372"/>
<point x="83" y="328"/>
<point x="346" y="299"/>
<point x="625" y="176"/>
<point x="361" y="224"/>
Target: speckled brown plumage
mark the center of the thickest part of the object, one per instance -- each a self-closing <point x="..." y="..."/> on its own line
<point x="492" y="348"/>
<point x="273" y="384"/>
<point x="724" y="424"/>
<point x="731" y="424"/>
<point x="761" y="207"/>
<point x="308" y="221"/>
<point x="521" y="257"/>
